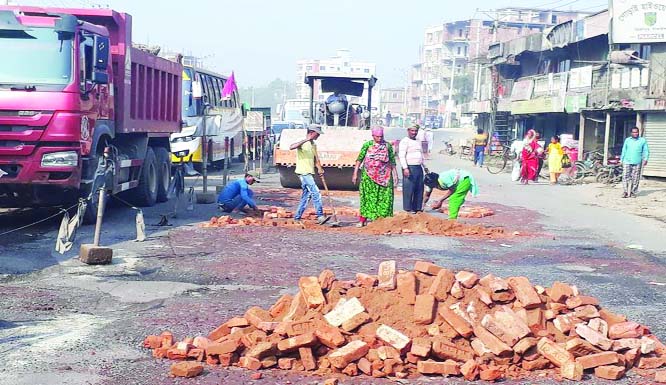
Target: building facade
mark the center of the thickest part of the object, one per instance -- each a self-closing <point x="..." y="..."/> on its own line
<point x="393" y="101"/>
<point x="459" y="49"/>
<point x="576" y="82"/>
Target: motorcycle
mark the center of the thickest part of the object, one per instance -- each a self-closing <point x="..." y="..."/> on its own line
<point x="448" y="147"/>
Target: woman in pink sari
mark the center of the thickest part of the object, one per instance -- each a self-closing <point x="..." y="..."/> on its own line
<point x="530" y="159"/>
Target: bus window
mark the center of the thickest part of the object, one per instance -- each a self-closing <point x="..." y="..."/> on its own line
<point x="214" y="98"/>
<point x="218" y="91"/>
<point x="188" y="101"/>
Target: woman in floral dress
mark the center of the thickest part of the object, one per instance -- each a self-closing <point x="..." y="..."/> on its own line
<point x="377" y="179"/>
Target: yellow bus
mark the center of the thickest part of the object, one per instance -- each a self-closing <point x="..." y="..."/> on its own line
<point x="223" y="118"/>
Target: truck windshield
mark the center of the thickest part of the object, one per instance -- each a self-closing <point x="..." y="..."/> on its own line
<point x="34" y="57"/>
<point x="293" y="115"/>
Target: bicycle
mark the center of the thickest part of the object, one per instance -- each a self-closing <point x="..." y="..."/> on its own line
<point x="496" y="161"/>
<point x="610" y="174"/>
<point x="588" y="167"/>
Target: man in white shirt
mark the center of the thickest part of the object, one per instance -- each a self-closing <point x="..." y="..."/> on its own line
<point x="410" y="153"/>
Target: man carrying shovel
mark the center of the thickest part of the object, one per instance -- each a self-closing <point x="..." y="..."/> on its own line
<point x="306" y="160"/>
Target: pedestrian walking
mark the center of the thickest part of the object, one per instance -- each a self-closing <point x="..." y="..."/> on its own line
<point x="410" y="153"/>
<point x="555" y="154"/>
<point x="389" y="119"/>
<point x="480" y="142"/>
<point x="378" y="178"/>
<point x="635" y="154"/>
<point x="306" y="161"/>
<point x="457" y="183"/>
<point x="429" y="138"/>
<point x="541" y="154"/>
<point x="529" y="158"/>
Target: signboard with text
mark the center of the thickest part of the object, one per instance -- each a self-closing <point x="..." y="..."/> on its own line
<point x="638" y="21"/>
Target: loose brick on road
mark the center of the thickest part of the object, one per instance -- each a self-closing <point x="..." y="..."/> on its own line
<point x="392" y="337"/>
<point x="599" y="359"/>
<point x="311" y="291"/>
<point x="348" y="353"/>
<point x="525" y="292"/>
<point x="445" y="368"/>
<point x="387" y="275"/>
<point x="609" y="372"/>
<point x="344" y="311"/>
<point x="442" y="284"/>
<point x="554" y="352"/>
<point x="186" y="369"/>
<point x="427" y="267"/>
<point x="424" y="309"/>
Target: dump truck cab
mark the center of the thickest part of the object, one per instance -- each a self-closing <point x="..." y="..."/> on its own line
<point x="345" y="117"/>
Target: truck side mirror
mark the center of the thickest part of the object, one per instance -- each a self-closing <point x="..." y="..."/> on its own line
<point x="101" y="52"/>
<point x="66" y="26"/>
<point x="99" y="77"/>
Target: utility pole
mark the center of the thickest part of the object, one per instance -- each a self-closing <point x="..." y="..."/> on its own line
<point x="404" y="104"/>
<point x="449" y="102"/>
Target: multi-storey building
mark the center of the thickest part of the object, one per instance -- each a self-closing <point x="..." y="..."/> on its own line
<point x="576" y="82"/>
<point x="393" y="100"/>
<point x="458" y="49"/>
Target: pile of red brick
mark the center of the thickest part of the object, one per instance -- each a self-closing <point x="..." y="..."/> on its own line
<point x="470" y="211"/>
<point x="429" y="321"/>
<point x="277" y="216"/>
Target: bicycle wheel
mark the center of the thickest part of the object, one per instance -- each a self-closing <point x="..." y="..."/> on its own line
<point x="581" y="172"/>
<point x="602" y="177"/>
<point x="496" y="163"/>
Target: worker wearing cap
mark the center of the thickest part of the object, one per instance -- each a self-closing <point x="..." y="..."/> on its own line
<point x="457" y="183"/>
<point x="237" y="195"/>
<point x="306" y="161"/>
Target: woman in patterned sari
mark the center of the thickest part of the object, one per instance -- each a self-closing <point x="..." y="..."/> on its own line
<point x="530" y="159"/>
<point x="377" y="179"/>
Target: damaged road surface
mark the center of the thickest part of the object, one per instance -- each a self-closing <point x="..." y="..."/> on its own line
<point x="62" y="322"/>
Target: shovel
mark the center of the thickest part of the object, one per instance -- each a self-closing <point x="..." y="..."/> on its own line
<point x="335" y="222"/>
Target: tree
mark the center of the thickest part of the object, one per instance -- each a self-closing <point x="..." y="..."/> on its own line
<point x="463" y="87"/>
<point x="270" y="95"/>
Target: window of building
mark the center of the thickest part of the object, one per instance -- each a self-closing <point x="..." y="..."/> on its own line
<point x="322" y="68"/>
<point x="465" y="50"/>
<point x="308" y="68"/>
<point x="460" y="33"/>
<point x="564" y="66"/>
<point x="459" y="51"/>
<point x="553" y="19"/>
<point x="395" y="95"/>
<point x="429" y="38"/>
<point x="366" y="70"/>
<point x="646" y="51"/>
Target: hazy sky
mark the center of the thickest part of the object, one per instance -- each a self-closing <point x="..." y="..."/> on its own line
<point x="261" y="40"/>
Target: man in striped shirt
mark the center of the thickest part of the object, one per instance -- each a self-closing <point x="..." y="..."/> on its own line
<point x="410" y="153"/>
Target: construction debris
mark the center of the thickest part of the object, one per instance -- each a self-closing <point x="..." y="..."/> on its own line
<point x="470" y="211"/>
<point x="433" y="321"/>
<point x="422" y="223"/>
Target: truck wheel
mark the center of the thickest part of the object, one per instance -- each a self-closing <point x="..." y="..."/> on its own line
<point x="163" y="159"/>
<point x="145" y="194"/>
<point x="90" y="216"/>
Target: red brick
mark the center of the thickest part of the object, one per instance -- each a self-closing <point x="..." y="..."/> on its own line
<point x="331" y="381"/>
<point x="490" y="374"/>
<point x="296" y="328"/>
<point x="364" y="366"/>
<point x="348" y="353"/>
<point x="424" y="309"/>
<point x="535" y="319"/>
<point x="599" y="359"/>
<point x="286" y="363"/>
<point x="609" y="372"/>
<point x="457" y="291"/>
<point x="421" y="346"/>
<point x="255" y="315"/>
<point x="579" y="347"/>
<point x="560" y="292"/>
<point x="572" y="371"/>
<point x="249" y="363"/>
<point x="237" y="322"/>
<point x="350" y="370"/>
<point x="356" y="321"/>
<point x="311" y="291"/>
<point x="269" y="362"/>
<point x="566" y="322"/>
<point x="554" y="352"/>
<point x="525" y="292"/>
<point x="484" y="295"/>
<point x="152" y="342"/>
<point x="427" y="267"/>
<point x="329" y="336"/>
<point x="219" y="332"/>
<point x="593" y="337"/>
<point x="581" y="300"/>
<point x="538" y="364"/>
<point x="660" y="376"/>
<point x="599" y="325"/>
<point x="470" y="370"/>
<point x="227" y="359"/>
<point x="326" y="279"/>
<point x="387" y="275"/>
<point x="524" y="345"/>
<point x="365" y="280"/>
<point x="625" y="330"/>
<point x="167" y="339"/>
<point x="256" y="376"/>
<point x="459" y="324"/>
<point x="650" y="362"/>
<point x="441" y="285"/>
<point x="307" y="358"/>
<point x="467" y="279"/>
<point x="492" y="343"/>
<point x="294" y="343"/>
<point x="212" y="360"/>
<point x="631" y="358"/>
<point x="392" y="337"/>
<point x="261" y="350"/>
<point x="611" y="318"/>
<point x="509" y="324"/>
<point x="228" y="346"/>
<point x="186" y="369"/>
<point x="445" y="349"/>
<point x="447" y="368"/>
<point x="197" y="354"/>
<point x="406" y="285"/>
<point x="586" y="312"/>
<point x="297" y="308"/>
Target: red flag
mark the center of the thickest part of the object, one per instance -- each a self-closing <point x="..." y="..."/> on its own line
<point x="229" y="87"/>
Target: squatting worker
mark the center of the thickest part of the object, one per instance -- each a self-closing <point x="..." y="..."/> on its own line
<point x="635" y="154"/>
<point x="457" y="183"/>
<point x="306" y="160"/>
<point x="237" y="195"/>
<point x="378" y="177"/>
<point x="410" y="153"/>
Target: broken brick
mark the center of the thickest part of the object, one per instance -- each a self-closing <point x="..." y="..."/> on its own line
<point x="492" y="343"/>
<point x="294" y="343"/>
<point x="586" y="312"/>
<point x="560" y="292"/>
<point x="249" y="363"/>
<point x="307" y="358"/>
<point x="490" y="374"/>
<point x="459" y="324"/>
<point x="427" y="267"/>
<point x="446" y="368"/>
<point x="581" y="300"/>
<point x="446" y="349"/>
<point x="387" y="275"/>
<point x="609" y="372"/>
<point x="625" y="330"/>
<point x="365" y="280"/>
<point x="326" y="279"/>
<point x="579" y="347"/>
<point x="593" y="337"/>
<point x="442" y="284"/>
<point x="470" y="370"/>
<point x="424" y="309"/>
<point x="572" y="370"/>
<point x="186" y="369"/>
<point x="311" y="291"/>
<point x="348" y="353"/>
<point x="356" y="321"/>
<point x="421" y="347"/>
<point x="406" y="286"/>
<point x="599" y="359"/>
<point x="255" y="315"/>
<point x="467" y="279"/>
<point x="525" y="292"/>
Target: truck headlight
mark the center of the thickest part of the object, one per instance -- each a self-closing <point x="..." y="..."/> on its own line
<point x="60" y="159"/>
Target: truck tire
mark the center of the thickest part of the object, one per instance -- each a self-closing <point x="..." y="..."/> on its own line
<point x="90" y="215"/>
<point x="145" y="194"/>
<point x="163" y="159"/>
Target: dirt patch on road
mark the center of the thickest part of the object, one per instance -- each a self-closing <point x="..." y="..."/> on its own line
<point x="422" y="223"/>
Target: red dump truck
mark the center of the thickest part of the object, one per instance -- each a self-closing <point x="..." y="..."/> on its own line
<point x="80" y="108"/>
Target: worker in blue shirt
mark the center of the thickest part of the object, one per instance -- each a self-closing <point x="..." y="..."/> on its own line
<point x="237" y="195"/>
<point x="634" y="157"/>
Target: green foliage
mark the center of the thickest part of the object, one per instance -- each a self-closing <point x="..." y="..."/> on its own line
<point x="463" y="86"/>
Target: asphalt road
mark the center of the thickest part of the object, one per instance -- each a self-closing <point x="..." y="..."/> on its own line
<point x="62" y="322"/>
